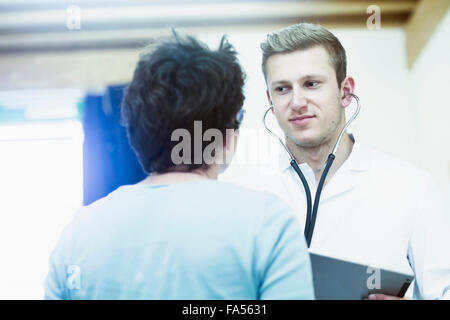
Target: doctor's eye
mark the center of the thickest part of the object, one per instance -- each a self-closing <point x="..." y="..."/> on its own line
<point x="281" y="90"/>
<point x="311" y="84"/>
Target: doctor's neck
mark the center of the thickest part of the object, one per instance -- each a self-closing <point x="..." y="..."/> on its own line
<point x="315" y="156"/>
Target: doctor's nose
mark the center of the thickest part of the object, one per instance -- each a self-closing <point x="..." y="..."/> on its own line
<point x="298" y="100"/>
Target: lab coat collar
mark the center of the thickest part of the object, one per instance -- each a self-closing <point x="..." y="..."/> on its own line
<point x="358" y="160"/>
<point x="344" y="178"/>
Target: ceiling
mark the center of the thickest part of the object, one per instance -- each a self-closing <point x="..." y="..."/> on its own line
<point x="54" y="25"/>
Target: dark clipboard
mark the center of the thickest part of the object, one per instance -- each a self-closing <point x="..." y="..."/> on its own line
<point x="336" y="279"/>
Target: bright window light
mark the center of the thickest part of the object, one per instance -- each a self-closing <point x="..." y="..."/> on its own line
<point x="41" y="186"/>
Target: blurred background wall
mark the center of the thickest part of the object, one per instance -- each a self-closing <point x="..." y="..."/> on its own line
<point x="60" y="59"/>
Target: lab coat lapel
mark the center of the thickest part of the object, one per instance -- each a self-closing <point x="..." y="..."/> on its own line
<point x="342" y="181"/>
<point x="345" y="177"/>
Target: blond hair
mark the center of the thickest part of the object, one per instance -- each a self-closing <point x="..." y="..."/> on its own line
<point x="304" y="36"/>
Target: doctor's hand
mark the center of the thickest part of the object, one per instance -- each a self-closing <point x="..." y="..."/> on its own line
<point x="379" y="296"/>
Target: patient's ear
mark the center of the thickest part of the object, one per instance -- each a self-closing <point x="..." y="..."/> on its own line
<point x="229" y="148"/>
<point x="231" y="136"/>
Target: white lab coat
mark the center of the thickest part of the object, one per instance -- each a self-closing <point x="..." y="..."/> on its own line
<point x="375" y="210"/>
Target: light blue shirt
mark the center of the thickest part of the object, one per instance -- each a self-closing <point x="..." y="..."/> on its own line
<point x="194" y="240"/>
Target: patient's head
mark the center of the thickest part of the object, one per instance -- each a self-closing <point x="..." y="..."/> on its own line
<point x="179" y="87"/>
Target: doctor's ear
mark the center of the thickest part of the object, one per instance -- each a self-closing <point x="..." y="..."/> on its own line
<point x="347" y="87"/>
<point x="269" y="99"/>
<point x="346" y="100"/>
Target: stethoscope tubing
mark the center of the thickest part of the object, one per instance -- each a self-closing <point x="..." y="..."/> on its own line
<point x="311" y="213"/>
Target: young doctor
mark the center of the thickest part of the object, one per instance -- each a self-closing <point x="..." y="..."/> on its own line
<point x="374" y="209"/>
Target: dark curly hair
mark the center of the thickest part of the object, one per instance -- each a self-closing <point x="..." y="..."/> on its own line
<point x="179" y="80"/>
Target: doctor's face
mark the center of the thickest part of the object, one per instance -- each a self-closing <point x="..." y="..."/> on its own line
<point x="304" y="92"/>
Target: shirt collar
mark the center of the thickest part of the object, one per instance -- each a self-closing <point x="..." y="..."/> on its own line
<point x="358" y="160"/>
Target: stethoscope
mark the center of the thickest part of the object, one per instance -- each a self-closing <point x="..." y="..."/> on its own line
<point x="311" y="215"/>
